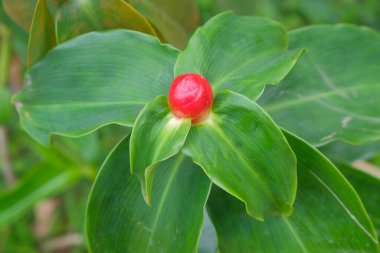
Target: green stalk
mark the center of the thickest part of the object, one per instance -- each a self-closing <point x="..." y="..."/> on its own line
<point x="5" y="54"/>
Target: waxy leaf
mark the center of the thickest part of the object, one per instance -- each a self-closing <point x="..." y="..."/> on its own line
<point x="93" y="80"/>
<point x="368" y="188"/>
<point x="42" y="181"/>
<point x="333" y="92"/>
<point x="42" y="33"/>
<point x="245" y="153"/>
<point x="118" y="219"/>
<point x="328" y="215"/>
<point x="156" y="136"/>
<point x="241" y="54"/>
<point x="78" y="17"/>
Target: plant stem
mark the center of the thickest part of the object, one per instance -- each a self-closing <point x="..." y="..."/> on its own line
<point x="5" y="55"/>
<point x="4" y="157"/>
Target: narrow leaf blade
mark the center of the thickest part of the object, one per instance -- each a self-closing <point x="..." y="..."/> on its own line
<point x="43" y="181"/>
<point x="42" y="33"/>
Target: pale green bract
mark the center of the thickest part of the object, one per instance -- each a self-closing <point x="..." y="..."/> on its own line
<point x="156" y="136"/>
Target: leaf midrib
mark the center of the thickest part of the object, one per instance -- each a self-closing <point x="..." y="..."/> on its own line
<point x="220" y="132"/>
<point x="289" y="103"/>
<point x="163" y="198"/>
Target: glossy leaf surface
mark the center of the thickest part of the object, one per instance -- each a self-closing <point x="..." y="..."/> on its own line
<point x="78" y="17"/>
<point x="234" y="145"/>
<point x="241" y="54"/>
<point x="368" y="188"/>
<point x="42" y="33"/>
<point x="93" y="80"/>
<point x="43" y="181"/>
<point x="116" y="207"/>
<point x="156" y="136"/>
<point x="174" y="19"/>
<point x="328" y="215"/>
<point x="334" y="89"/>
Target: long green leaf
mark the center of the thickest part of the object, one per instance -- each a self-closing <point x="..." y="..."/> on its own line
<point x="328" y="215"/>
<point x="78" y="17"/>
<point x="156" y="136"/>
<point x="42" y="33"/>
<point x="333" y="91"/>
<point x="93" y="80"/>
<point x="241" y="54"/>
<point x="118" y="219"/>
<point x="245" y="153"/>
<point x="368" y="188"/>
<point x="43" y="181"/>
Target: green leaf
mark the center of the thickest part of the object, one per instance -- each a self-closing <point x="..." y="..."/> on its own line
<point x="42" y="33"/>
<point x="78" y="17"/>
<point x="5" y="105"/>
<point x="93" y="80"/>
<point x="332" y="92"/>
<point x="344" y="152"/>
<point x="328" y="215"/>
<point x="156" y="136"/>
<point x="118" y="219"/>
<point x="175" y="19"/>
<point x="21" y="11"/>
<point x="241" y="54"/>
<point x="245" y="153"/>
<point x="45" y="180"/>
<point x="368" y="188"/>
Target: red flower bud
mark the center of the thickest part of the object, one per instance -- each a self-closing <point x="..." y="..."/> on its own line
<point x="190" y="96"/>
